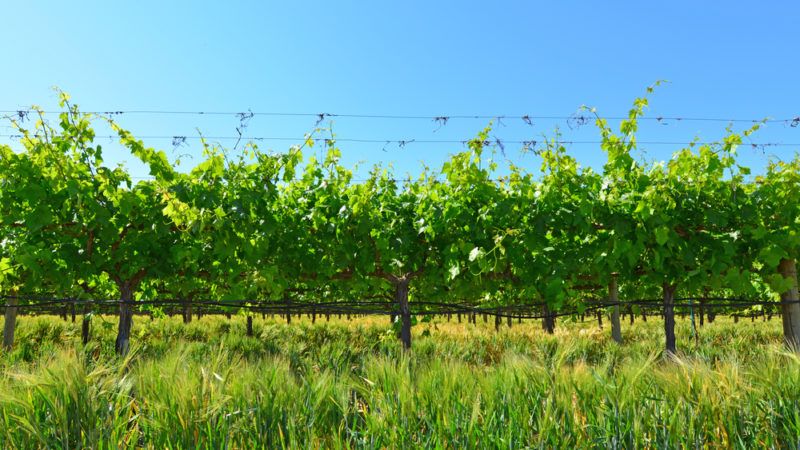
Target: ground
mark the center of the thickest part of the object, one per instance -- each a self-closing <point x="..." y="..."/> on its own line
<point x="348" y="384"/>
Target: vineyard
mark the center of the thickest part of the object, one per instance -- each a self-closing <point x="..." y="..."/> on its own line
<point x="270" y="299"/>
<point x="249" y="232"/>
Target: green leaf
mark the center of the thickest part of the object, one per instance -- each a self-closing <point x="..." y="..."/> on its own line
<point x="772" y="255"/>
<point x="662" y="235"/>
<point x="38" y="218"/>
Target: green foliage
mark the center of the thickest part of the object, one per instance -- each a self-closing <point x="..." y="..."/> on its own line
<point x="252" y="224"/>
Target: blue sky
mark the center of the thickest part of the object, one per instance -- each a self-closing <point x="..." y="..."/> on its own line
<point x="722" y="59"/>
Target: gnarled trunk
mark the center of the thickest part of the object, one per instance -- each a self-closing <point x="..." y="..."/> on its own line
<point x="123" y="342"/>
<point x="85" y="328"/>
<point x="548" y="320"/>
<point x="613" y="297"/>
<point x="401" y="297"/>
<point x="789" y="307"/>
<point x="187" y="310"/>
<point x="669" y="317"/>
<point x="10" y="324"/>
<point x="701" y="310"/>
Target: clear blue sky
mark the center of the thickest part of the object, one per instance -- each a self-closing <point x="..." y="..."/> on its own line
<point x="722" y="59"/>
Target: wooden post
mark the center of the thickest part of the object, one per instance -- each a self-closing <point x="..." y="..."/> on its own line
<point x="249" y="325"/>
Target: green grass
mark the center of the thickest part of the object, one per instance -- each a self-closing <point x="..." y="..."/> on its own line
<point x="348" y="385"/>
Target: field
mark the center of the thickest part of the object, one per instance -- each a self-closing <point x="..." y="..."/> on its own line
<point x="348" y="384"/>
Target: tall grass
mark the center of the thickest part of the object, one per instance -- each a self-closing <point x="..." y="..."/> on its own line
<point x="349" y="385"/>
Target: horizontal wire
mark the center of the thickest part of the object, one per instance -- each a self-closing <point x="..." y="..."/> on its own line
<point x="301" y="306"/>
<point x="404" y="142"/>
<point x="440" y="118"/>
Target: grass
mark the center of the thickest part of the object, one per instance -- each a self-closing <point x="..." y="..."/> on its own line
<point x="348" y="385"/>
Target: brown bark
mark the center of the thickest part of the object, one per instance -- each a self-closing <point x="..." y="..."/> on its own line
<point x="187" y="311"/>
<point x="10" y="324"/>
<point x="122" y="344"/>
<point x="401" y="297"/>
<point x="85" y="328"/>
<point x="789" y="307"/>
<point x="701" y="311"/>
<point x="549" y="320"/>
<point x="669" y="318"/>
<point x="613" y="297"/>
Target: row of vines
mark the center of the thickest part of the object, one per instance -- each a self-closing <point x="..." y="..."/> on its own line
<point x="250" y="224"/>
